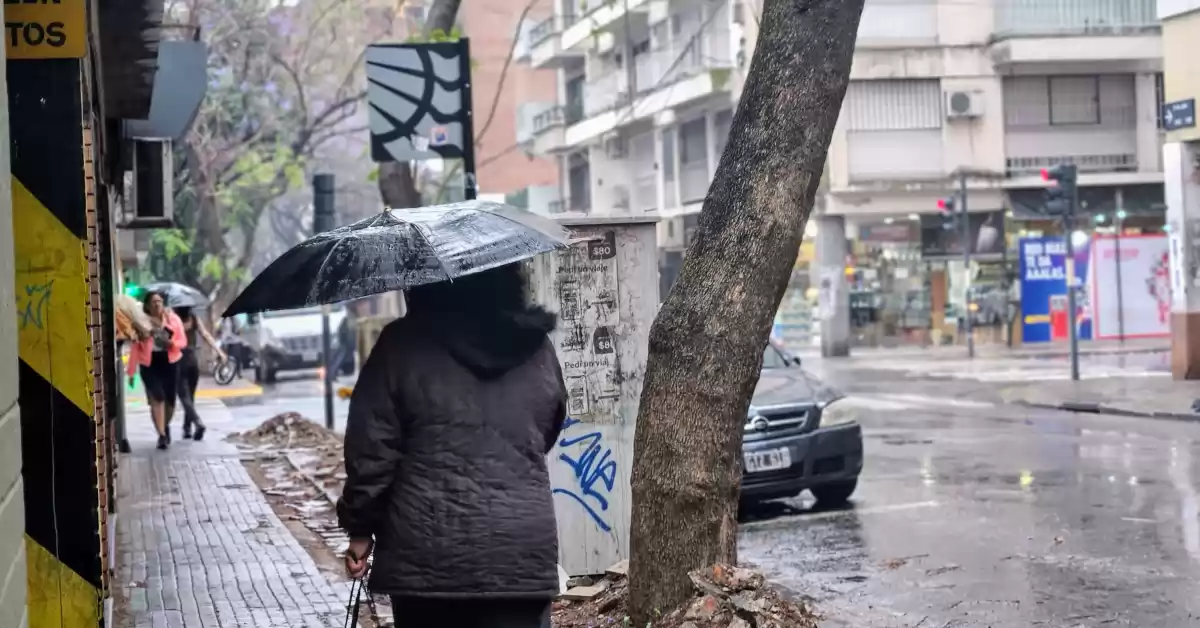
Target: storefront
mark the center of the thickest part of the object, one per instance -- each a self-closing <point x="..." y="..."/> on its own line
<point x="1120" y="252"/>
<point x="888" y="284"/>
<point x="982" y="291"/>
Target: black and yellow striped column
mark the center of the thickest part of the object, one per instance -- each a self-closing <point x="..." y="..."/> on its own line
<point x="47" y="110"/>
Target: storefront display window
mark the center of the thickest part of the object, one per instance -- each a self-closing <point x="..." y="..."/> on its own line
<point x="889" y="294"/>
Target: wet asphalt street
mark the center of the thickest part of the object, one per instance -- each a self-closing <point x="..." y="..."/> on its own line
<point x="974" y="513"/>
<point x="969" y="514"/>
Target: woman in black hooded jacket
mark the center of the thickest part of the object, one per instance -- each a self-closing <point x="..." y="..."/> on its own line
<point x="450" y="421"/>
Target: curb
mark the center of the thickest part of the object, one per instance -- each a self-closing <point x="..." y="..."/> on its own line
<point x="230" y="398"/>
<point x="1098" y="408"/>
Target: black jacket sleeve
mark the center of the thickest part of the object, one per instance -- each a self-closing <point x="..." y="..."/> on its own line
<point x="372" y="446"/>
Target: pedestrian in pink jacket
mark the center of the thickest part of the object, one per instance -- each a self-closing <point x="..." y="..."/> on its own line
<point x="157" y="358"/>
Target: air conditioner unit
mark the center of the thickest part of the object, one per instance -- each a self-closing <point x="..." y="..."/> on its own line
<point x="150" y="197"/>
<point x="615" y="148"/>
<point x="964" y="104"/>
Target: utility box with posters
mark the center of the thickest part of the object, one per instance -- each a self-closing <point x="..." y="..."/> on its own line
<point x="605" y="293"/>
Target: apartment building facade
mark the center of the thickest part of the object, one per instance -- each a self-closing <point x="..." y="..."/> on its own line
<point x="1000" y="88"/>
<point x="1181" y="161"/>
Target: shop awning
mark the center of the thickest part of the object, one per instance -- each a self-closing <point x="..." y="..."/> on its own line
<point x="129" y="36"/>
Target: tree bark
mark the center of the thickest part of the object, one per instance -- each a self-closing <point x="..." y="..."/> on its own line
<point x="706" y="344"/>
<point x="397" y="185"/>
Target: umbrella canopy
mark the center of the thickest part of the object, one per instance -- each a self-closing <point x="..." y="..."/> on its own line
<point x="399" y="250"/>
<point x="179" y="295"/>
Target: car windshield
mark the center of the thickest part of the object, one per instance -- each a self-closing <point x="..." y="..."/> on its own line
<point x="773" y="358"/>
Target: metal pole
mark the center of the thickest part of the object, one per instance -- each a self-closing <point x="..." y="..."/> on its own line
<point x="329" y="369"/>
<point x="1072" y="333"/>
<point x="968" y="327"/>
<point x="323" y="220"/>
<point x="468" y="122"/>
<point x="1120" y="226"/>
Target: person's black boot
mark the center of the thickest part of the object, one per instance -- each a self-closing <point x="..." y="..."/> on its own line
<point x="187" y="429"/>
<point x="200" y="430"/>
<point x="164" y="441"/>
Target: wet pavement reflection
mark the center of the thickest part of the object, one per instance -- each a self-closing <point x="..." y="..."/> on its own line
<point x="1000" y="516"/>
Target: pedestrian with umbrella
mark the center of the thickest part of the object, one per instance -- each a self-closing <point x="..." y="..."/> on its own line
<point x="184" y="300"/>
<point x="156" y="358"/>
<point x="453" y="414"/>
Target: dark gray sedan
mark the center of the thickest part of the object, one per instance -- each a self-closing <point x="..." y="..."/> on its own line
<point x="798" y="435"/>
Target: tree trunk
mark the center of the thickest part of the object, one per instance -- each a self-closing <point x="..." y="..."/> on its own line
<point x="397" y="185"/>
<point x="706" y="344"/>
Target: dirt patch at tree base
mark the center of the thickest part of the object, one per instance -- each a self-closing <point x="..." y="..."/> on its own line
<point x="723" y="597"/>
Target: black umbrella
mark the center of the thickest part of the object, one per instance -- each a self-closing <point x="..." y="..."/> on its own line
<point x="179" y="295"/>
<point x="397" y="250"/>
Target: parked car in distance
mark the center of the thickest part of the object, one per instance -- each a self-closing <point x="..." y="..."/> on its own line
<point x="291" y="340"/>
<point x="988" y="305"/>
<point x="798" y="436"/>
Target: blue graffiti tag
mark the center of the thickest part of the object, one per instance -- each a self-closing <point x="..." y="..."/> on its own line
<point x="595" y="473"/>
<point x="37" y="298"/>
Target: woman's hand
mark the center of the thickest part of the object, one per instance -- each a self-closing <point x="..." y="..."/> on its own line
<point x="131" y="381"/>
<point x="356" y="556"/>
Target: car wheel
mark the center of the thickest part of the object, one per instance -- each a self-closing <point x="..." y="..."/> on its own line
<point x="835" y="493"/>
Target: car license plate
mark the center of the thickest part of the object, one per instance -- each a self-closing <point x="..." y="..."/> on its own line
<point x="311" y="356"/>
<point x="769" y="460"/>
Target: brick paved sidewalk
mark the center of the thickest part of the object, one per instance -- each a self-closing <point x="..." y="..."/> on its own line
<point x="199" y="546"/>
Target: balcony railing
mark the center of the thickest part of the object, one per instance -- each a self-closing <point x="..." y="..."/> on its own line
<point x="1031" y="166"/>
<point x="605" y="93"/>
<point x="543" y="30"/>
<point x="547" y="119"/>
<point x="669" y="64"/>
<point x="1025" y="18"/>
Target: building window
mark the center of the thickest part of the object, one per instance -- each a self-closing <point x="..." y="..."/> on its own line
<point x="1074" y="99"/>
<point x="579" y="184"/>
<point x="889" y="121"/>
<point x="573" y="111"/>
<point x="891" y="105"/>
<point x="669" y="167"/>
<point x="1160" y="98"/>
<point x="693" y="161"/>
<point x="1043" y="101"/>
<point x="722" y="123"/>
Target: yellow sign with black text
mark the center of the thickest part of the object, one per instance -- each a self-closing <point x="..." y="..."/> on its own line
<point x="45" y="29"/>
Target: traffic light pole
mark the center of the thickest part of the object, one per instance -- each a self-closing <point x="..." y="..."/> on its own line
<point x="968" y="323"/>
<point x="323" y="220"/>
<point x="1072" y="321"/>
<point x="1062" y="199"/>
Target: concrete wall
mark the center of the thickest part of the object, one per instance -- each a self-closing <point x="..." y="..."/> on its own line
<point x="12" y="510"/>
<point x="1181" y="66"/>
